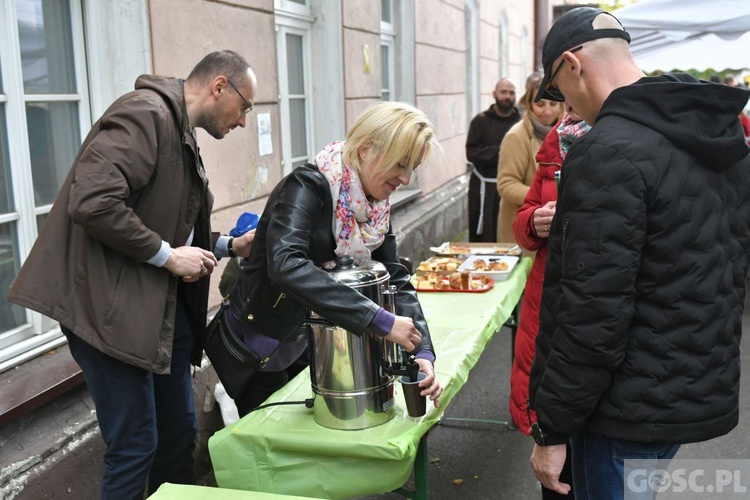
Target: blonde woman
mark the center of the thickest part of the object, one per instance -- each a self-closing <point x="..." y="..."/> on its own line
<point x="517" y="164"/>
<point x="337" y="206"/>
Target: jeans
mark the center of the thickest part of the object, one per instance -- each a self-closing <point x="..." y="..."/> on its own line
<point x="599" y="464"/>
<point x="147" y="421"/>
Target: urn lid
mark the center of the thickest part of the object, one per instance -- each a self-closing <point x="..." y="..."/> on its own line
<point x="357" y="273"/>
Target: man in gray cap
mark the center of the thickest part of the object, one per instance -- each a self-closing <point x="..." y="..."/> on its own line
<point x="640" y="321"/>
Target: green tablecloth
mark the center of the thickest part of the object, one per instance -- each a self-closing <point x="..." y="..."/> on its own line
<point x="187" y="492"/>
<point x="282" y="450"/>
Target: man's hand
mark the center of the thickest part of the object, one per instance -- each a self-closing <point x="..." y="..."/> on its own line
<point x="190" y="263"/>
<point x="547" y="462"/>
<point x="241" y="245"/>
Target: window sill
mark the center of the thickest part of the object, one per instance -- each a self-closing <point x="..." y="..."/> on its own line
<point x="36" y="382"/>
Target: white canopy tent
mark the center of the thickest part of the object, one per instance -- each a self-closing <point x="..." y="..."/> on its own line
<point x="688" y="34"/>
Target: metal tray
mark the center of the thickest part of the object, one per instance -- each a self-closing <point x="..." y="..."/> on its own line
<point x="457" y="248"/>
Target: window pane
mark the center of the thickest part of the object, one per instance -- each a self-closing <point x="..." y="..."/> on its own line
<point x="54" y="140"/>
<point x="385" y="72"/>
<point x="44" y="30"/>
<point x="385" y="11"/>
<point x="11" y="315"/>
<point x="294" y="64"/>
<point x="298" y="131"/>
<point x="6" y="191"/>
<point x="40" y="221"/>
<point x="301" y="2"/>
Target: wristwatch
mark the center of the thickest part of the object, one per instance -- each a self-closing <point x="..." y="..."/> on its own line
<point x="543" y="439"/>
<point x="230" y="250"/>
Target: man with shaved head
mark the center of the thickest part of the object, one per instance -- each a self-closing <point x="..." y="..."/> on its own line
<point x="486" y="132"/>
<point x="641" y="314"/>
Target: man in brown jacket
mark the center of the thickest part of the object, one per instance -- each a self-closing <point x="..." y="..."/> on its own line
<point x="123" y="259"/>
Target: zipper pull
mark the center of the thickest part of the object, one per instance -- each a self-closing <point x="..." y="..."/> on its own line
<point x="281" y="296"/>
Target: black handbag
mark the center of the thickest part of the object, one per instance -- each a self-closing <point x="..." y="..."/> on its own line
<point x="234" y="362"/>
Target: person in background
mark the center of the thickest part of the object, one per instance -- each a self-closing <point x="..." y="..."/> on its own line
<point x="123" y="260"/>
<point x="745" y="121"/>
<point x="641" y="314"/>
<point x="486" y="132"/>
<point x="337" y="206"/>
<point x="531" y="229"/>
<point x="517" y="165"/>
<point x="730" y="81"/>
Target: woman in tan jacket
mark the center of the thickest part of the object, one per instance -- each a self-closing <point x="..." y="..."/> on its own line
<point x="517" y="165"/>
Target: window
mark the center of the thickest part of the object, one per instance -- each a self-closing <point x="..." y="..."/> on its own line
<point x="387" y="56"/>
<point x="43" y="86"/>
<point x="294" y="26"/>
<point x="397" y="67"/>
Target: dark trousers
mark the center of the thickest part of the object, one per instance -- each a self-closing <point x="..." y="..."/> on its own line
<point x="266" y="383"/>
<point x="147" y="421"/>
<point x="491" y="211"/>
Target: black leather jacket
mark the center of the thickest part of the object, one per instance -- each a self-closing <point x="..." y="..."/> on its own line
<point x="282" y="278"/>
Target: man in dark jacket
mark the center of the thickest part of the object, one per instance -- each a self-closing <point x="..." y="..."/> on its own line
<point x="123" y="259"/>
<point x="486" y="132"/>
<point x="640" y="322"/>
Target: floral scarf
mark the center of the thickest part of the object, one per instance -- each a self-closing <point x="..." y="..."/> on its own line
<point x="359" y="225"/>
<point x="568" y="131"/>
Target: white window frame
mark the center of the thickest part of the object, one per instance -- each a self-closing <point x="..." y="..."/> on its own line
<point x="329" y="122"/>
<point x="296" y="22"/>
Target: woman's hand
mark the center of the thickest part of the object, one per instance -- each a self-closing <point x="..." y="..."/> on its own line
<point x="430" y="385"/>
<point x="543" y="218"/>
<point x="404" y="333"/>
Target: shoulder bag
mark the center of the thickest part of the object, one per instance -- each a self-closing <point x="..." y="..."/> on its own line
<point x="234" y="362"/>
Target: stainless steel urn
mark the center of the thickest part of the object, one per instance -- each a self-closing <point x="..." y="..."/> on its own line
<point x="353" y="389"/>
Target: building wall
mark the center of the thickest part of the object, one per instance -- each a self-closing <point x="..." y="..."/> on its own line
<point x="64" y="433"/>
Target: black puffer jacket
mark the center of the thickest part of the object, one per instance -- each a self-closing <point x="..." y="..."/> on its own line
<point x="294" y="238"/>
<point x="640" y="321"/>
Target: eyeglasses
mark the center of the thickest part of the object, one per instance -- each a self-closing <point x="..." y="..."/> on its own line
<point x="552" y="90"/>
<point x="248" y="104"/>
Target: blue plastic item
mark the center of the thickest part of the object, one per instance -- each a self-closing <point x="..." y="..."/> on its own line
<point x="245" y="223"/>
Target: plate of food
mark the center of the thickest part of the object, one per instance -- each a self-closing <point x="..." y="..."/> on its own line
<point x="496" y="267"/>
<point x="454" y="282"/>
<point x="453" y="248"/>
<point x="443" y="265"/>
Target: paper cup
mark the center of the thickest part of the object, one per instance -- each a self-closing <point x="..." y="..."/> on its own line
<point x="416" y="405"/>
